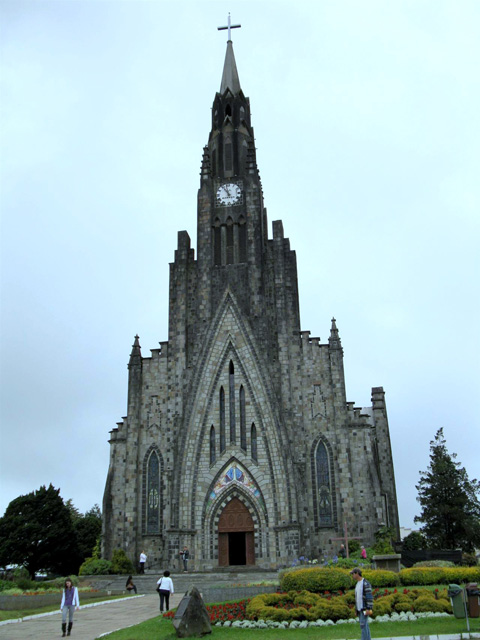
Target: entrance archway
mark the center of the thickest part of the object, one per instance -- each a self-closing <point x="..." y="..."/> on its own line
<point x="235" y="535"/>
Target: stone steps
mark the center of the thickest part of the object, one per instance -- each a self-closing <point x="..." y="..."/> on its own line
<point x="146" y="583"/>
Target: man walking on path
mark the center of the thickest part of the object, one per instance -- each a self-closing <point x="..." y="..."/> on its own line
<point x="143" y="559"/>
<point x="363" y="602"/>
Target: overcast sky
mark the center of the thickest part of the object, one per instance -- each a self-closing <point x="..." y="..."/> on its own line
<point x="366" y="117"/>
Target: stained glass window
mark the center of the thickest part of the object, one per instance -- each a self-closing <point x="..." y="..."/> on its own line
<point x="213" y="456"/>
<point x="254" y="442"/>
<point x="243" y="425"/>
<point x="232" y="403"/>
<point x="323" y="486"/>
<point x="222" y="420"/>
<point x="153" y="494"/>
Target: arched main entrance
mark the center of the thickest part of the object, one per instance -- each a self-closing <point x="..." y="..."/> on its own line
<point x="235" y="535"/>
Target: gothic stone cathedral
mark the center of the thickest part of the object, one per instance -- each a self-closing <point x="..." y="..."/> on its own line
<point x="239" y="441"/>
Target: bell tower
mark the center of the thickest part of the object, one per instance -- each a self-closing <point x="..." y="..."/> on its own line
<point x="232" y="221"/>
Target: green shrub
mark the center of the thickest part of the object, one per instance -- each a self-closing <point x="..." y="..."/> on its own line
<point x="315" y="580"/>
<point x="6" y="584"/>
<point x="305" y="597"/>
<point x="20" y="572"/>
<point x="320" y="610"/>
<point x="382" y="607"/>
<point x="353" y="546"/>
<point x="338" y="610"/>
<point x="121" y="563"/>
<point x="381" y="578"/>
<point x="403" y="605"/>
<point x="433" y="563"/>
<point x="13" y="591"/>
<point x="25" y="584"/>
<point x="93" y="567"/>
<point x="469" y="560"/>
<point x="439" y="575"/>
<point x="427" y="603"/>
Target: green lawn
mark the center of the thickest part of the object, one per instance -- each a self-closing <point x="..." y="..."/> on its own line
<point x="22" y="613"/>
<point x="162" y="629"/>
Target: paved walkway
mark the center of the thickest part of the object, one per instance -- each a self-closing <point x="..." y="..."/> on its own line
<point x="91" y="621"/>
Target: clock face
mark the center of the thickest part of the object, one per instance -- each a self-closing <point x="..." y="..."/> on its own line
<point x="229" y="194"/>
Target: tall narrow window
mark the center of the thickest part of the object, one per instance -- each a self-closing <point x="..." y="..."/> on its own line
<point x="242" y="239"/>
<point x="323" y="486"/>
<point x="231" y="380"/>
<point x="243" y="425"/>
<point x="213" y="455"/>
<point x="228" y="149"/>
<point x="153" y="494"/>
<point x="222" y="420"/>
<point x="230" y="243"/>
<point x="217" y="242"/>
<point x="254" y="442"/>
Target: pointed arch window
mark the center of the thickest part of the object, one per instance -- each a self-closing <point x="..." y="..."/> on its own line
<point x="217" y="242"/>
<point x="230" y="242"/>
<point x="213" y="455"/>
<point x="242" y="239"/>
<point x="228" y="157"/>
<point x="231" y="380"/>
<point x="222" y="420"/>
<point x="324" y="492"/>
<point x="243" y="425"/>
<point x="153" y="493"/>
<point x="253" y="440"/>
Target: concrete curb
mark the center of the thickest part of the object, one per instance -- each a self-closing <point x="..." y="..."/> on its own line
<point x="55" y="613"/>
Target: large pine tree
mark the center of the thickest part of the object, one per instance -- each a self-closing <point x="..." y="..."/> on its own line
<point x="37" y="532"/>
<point x="449" y="501"/>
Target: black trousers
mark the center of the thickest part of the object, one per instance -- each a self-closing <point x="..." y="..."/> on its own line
<point x="164" y="599"/>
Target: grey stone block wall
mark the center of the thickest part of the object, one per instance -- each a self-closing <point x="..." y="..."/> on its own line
<point x="242" y="317"/>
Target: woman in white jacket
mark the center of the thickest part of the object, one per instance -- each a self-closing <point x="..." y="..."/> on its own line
<point x="69" y="602"/>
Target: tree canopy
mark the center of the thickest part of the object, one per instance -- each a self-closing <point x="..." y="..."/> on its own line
<point x="37" y="532"/>
<point x="42" y="532"/>
<point x="449" y="501"/>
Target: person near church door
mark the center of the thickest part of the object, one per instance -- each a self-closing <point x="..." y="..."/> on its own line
<point x="185" y="555"/>
<point x="165" y="588"/>
<point x="69" y="602"/>
<point x="342" y="552"/>
<point x="363" y="602"/>
<point x="143" y="559"/>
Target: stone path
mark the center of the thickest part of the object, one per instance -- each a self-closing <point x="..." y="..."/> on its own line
<point x="91" y="621"/>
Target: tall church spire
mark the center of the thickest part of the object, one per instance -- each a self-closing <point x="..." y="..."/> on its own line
<point x="230" y="79"/>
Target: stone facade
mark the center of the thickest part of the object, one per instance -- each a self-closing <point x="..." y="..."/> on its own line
<point x="240" y="404"/>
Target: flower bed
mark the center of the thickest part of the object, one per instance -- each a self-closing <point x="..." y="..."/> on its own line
<point x="293" y="608"/>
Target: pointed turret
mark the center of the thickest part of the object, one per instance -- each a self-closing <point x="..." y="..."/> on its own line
<point x="334" y="339"/>
<point x="135" y="372"/>
<point x="136" y="354"/>
<point x="230" y="79"/>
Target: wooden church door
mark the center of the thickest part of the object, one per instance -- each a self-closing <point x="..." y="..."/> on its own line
<point x="235" y="535"/>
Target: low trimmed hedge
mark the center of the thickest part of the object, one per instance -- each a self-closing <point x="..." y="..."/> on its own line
<point x="439" y="575"/>
<point x="311" y="606"/>
<point x="320" y="579"/>
<point x="316" y="580"/>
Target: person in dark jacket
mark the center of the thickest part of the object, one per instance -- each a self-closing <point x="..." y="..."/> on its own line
<point x="363" y="602"/>
<point x="130" y="586"/>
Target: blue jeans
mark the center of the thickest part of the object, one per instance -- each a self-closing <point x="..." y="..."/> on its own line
<point x="364" y="626"/>
<point x="67" y="609"/>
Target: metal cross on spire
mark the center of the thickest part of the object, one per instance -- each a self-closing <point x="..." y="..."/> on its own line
<point x="229" y="27"/>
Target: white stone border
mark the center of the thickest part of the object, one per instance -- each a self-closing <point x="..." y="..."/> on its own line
<point x="84" y="606"/>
